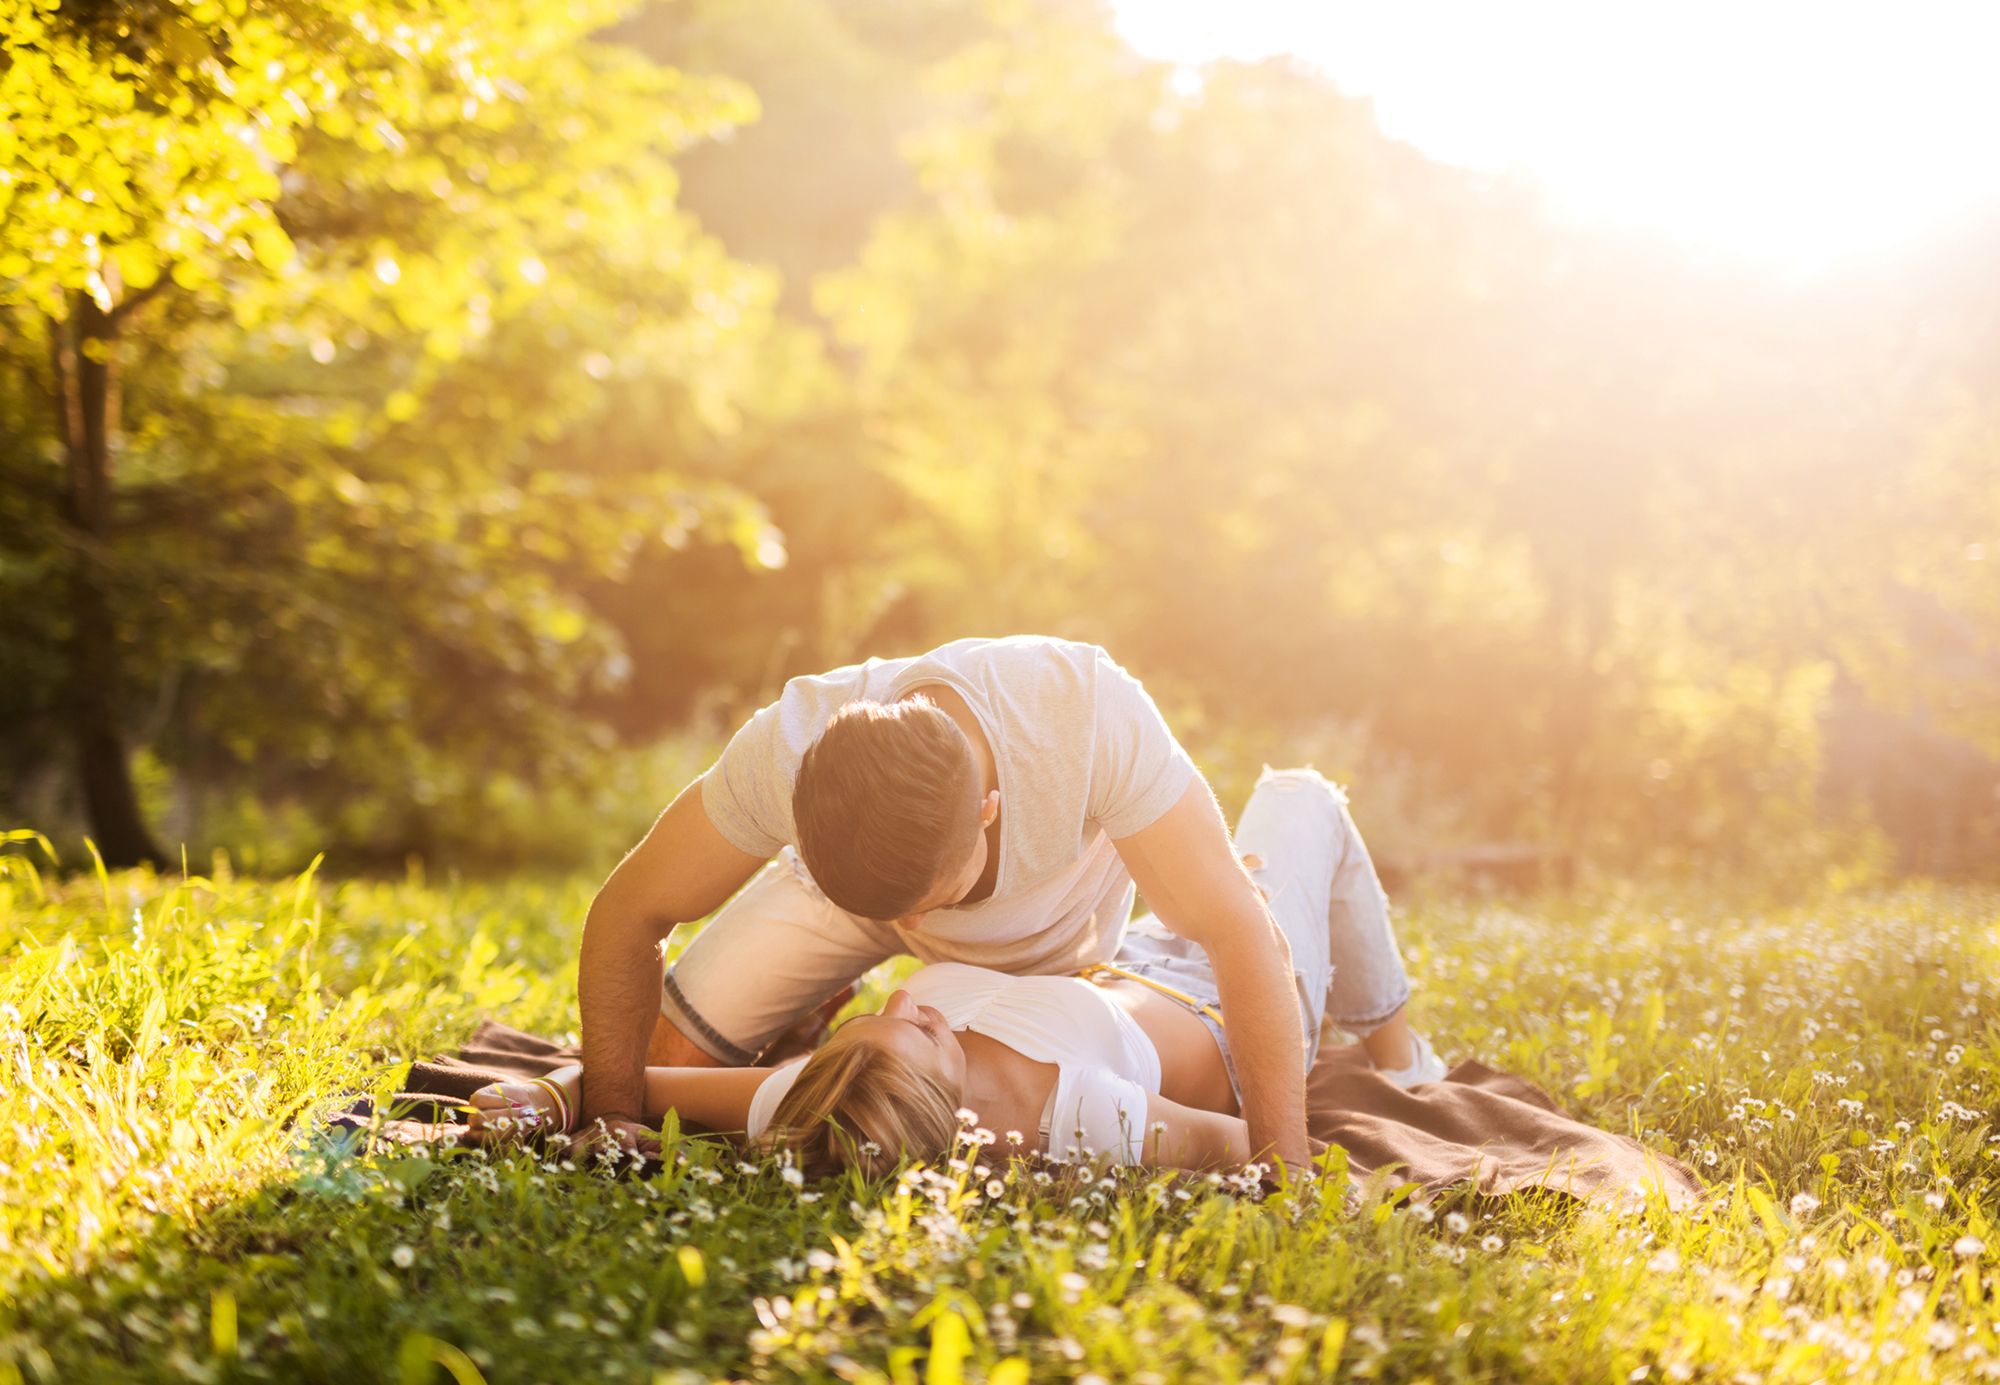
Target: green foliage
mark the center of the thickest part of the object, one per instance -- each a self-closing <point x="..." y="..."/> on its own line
<point x="460" y="444"/>
<point x="1163" y="366"/>
<point x="168" y="1207"/>
<point x="414" y="349"/>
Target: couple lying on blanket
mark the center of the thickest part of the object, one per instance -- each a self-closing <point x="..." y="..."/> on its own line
<point x="1129" y="1059"/>
<point x="860" y="817"/>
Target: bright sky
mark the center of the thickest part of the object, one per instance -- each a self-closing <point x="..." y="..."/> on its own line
<point x="1793" y="133"/>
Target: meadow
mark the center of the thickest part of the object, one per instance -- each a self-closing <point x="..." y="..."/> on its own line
<point x="173" y="1209"/>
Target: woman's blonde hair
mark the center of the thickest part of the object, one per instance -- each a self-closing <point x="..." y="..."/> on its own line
<point x="861" y="1105"/>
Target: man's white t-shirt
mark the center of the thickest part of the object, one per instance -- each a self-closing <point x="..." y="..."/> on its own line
<point x="1082" y="755"/>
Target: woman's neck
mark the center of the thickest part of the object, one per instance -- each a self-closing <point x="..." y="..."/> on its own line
<point x="1005" y="1089"/>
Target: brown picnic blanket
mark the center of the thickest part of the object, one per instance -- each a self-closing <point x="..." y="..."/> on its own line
<point x="1500" y="1133"/>
<point x="1497" y="1132"/>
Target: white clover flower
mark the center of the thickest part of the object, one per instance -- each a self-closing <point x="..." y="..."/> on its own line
<point x="793" y="1177"/>
<point x="1492" y="1245"/>
<point x="1665" y="1261"/>
<point x="1804" y="1204"/>
<point x="1968" y="1247"/>
<point x="1013" y="1137"/>
<point x="995" y="1188"/>
<point x="1456" y="1223"/>
<point x="403" y="1257"/>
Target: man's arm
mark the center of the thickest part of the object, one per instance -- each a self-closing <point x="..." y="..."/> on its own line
<point x="682" y="871"/>
<point x="1186" y="869"/>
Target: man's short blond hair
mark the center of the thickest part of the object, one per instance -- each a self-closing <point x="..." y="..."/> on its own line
<point x="886" y="804"/>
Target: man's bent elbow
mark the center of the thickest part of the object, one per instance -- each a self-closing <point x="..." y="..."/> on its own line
<point x="610" y="921"/>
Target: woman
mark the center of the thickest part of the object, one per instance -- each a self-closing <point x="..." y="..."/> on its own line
<point x="1129" y="1059"/>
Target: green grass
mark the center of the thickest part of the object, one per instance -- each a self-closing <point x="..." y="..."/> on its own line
<point x="167" y="1209"/>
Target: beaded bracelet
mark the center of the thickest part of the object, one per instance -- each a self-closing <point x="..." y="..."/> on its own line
<point x="561" y="1100"/>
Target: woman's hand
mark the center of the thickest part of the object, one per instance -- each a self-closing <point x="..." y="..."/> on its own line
<point x="523" y="1108"/>
<point x="512" y="1108"/>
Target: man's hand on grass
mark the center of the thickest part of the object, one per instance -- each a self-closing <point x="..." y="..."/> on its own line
<point x="614" y="1134"/>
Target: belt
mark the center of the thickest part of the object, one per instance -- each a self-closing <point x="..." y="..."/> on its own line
<point x="1106" y="969"/>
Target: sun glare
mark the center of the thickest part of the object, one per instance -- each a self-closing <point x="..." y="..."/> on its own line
<point x="1795" y="134"/>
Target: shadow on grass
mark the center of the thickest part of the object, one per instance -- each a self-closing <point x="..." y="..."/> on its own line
<point x="418" y="1263"/>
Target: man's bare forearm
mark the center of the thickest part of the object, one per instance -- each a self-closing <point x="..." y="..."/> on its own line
<point x="618" y="995"/>
<point x="1261" y="1014"/>
<point x="682" y="870"/>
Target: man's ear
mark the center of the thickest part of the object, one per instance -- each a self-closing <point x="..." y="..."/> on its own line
<point x="989" y="809"/>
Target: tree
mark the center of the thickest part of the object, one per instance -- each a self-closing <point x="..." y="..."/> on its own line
<point x="307" y="298"/>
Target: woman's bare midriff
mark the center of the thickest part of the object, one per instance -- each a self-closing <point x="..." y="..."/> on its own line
<point x="1191" y="1066"/>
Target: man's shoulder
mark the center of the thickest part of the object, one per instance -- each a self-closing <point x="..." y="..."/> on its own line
<point x="1020" y="654"/>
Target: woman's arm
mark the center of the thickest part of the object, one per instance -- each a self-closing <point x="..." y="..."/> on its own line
<point x="716" y="1099"/>
<point x="1186" y="1137"/>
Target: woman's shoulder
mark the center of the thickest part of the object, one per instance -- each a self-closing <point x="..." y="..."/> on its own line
<point x="953" y="974"/>
<point x="961" y="979"/>
<point x="939" y="984"/>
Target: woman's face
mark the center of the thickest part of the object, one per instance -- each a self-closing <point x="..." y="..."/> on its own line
<point x="917" y="1034"/>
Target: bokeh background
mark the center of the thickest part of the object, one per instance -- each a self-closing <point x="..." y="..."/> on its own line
<point x="426" y="429"/>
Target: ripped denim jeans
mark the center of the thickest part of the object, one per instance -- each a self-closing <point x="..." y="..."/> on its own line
<point x="1302" y="848"/>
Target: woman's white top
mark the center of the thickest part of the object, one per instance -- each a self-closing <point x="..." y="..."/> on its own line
<point x="1105" y="1063"/>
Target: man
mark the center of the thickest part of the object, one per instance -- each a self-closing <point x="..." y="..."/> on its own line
<point x="990" y="802"/>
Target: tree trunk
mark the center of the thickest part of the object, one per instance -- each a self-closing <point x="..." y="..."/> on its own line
<point x="86" y="385"/>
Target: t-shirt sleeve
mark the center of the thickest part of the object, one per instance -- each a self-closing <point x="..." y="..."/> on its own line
<point x="772" y="1090"/>
<point x="1097" y="1112"/>
<point x="747" y="793"/>
<point x="1138" y="770"/>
